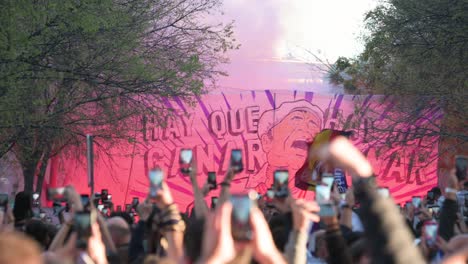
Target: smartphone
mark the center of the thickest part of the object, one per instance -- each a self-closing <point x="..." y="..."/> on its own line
<point x="240" y="217"/>
<point x="384" y="192"/>
<point x="212" y="180"/>
<point x="128" y="208"/>
<point x="82" y="224"/>
<point x="430" y="232"/>
<point x="109" y="197"/>
<point x="430" y="195"/>
<point x="4" y="201"/>
<point x="461" y="167"/>
<point x="328" y="179"/>
<point x="185" y="160"/>
<point x="327" y="209"/>
<point x="236" y="160"/>
<point x="407" y="205"/>
<point x="156" y="177"/>
<point x="100" y="207"/>
<point x="280" y="183"/>
<point x="35" y="196"/>
<point x="322" y="194"/>
<point x="214" y="202"/>
<point x="84" y="199"/>
<point x="270" y="193"/>
<point x="42" y="215"/>
<point x="416" y="201"/>
<point x="104" y="195"/>
<point x="135" y="202"/>
<point x="57" y="194"/>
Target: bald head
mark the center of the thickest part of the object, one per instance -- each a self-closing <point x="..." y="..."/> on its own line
<point x="119" y="230"/>
<point x="16" y="248"/>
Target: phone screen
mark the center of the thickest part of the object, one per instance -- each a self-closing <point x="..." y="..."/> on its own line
<point x="241" y="205"/>
<point x="322" y="194"/>
<point x="56" y="194"/>
<point x="214" y="202"/>
<point x="328" y="179"/>
<point x="185" y="160"/>
<point x="135" y="201"/>
<point x="430" y="231"/>
<point x="3" y="199"/>
<point x="3" y="202"/>
<point x="100" y="207"/>
<point x="270" y="194"/>
<point x="281" y="177"/>
<point x="35" y="196"/>
<point x="82" y="224"/>
<point x="236" y="160"/>
<point x="461" y="167"/>
<point x="212" y="180"/>
<point x="416" y="200"/>
<point x="430" y="195"/>
<point x="156" y="177"/>
<point x="84" y="199"/>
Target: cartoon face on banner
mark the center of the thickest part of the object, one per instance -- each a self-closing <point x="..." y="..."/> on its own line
<point x="273" y="130"/>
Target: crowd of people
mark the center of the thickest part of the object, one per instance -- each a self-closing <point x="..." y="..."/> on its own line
<point x="362" y="226"/>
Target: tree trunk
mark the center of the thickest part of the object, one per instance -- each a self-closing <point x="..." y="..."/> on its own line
<point x="42" y="171"/>
<point x="28" y="175"/>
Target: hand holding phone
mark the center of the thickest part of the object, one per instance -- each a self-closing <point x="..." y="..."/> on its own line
<point x="430" y="232"/>
<point x="240" y="218"/>
<point x="82" y="224"/>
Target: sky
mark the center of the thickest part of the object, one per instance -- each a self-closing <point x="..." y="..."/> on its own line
<point x="275" y="36"/>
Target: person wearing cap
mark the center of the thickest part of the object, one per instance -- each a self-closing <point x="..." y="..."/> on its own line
<point x="284" y="134"/>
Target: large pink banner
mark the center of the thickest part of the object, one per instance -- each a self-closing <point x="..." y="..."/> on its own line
<point x="273" y="129"/>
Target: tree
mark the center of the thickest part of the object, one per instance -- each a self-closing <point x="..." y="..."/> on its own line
<point x="69" y="68"/>
<point x="416" y="50"/>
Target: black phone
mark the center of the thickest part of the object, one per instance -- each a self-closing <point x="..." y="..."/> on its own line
<point x="461" y="167"/>
<point x="212" y="180"/>
<point x="214" y="202"/>
<point x="135" y="202"/>
<point x="185" y="160"/>
<point x="104" y="195"/>
<point x="240" y="218"/>
<point x="236" y="160"/>
<point x="57" y="194"/>
<point x="84" y="199"/>
<point x="430" y="195"/>
<point x="82" y="224"/>
<point x="4" y="201"/>
<point x="280" y="183"/>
